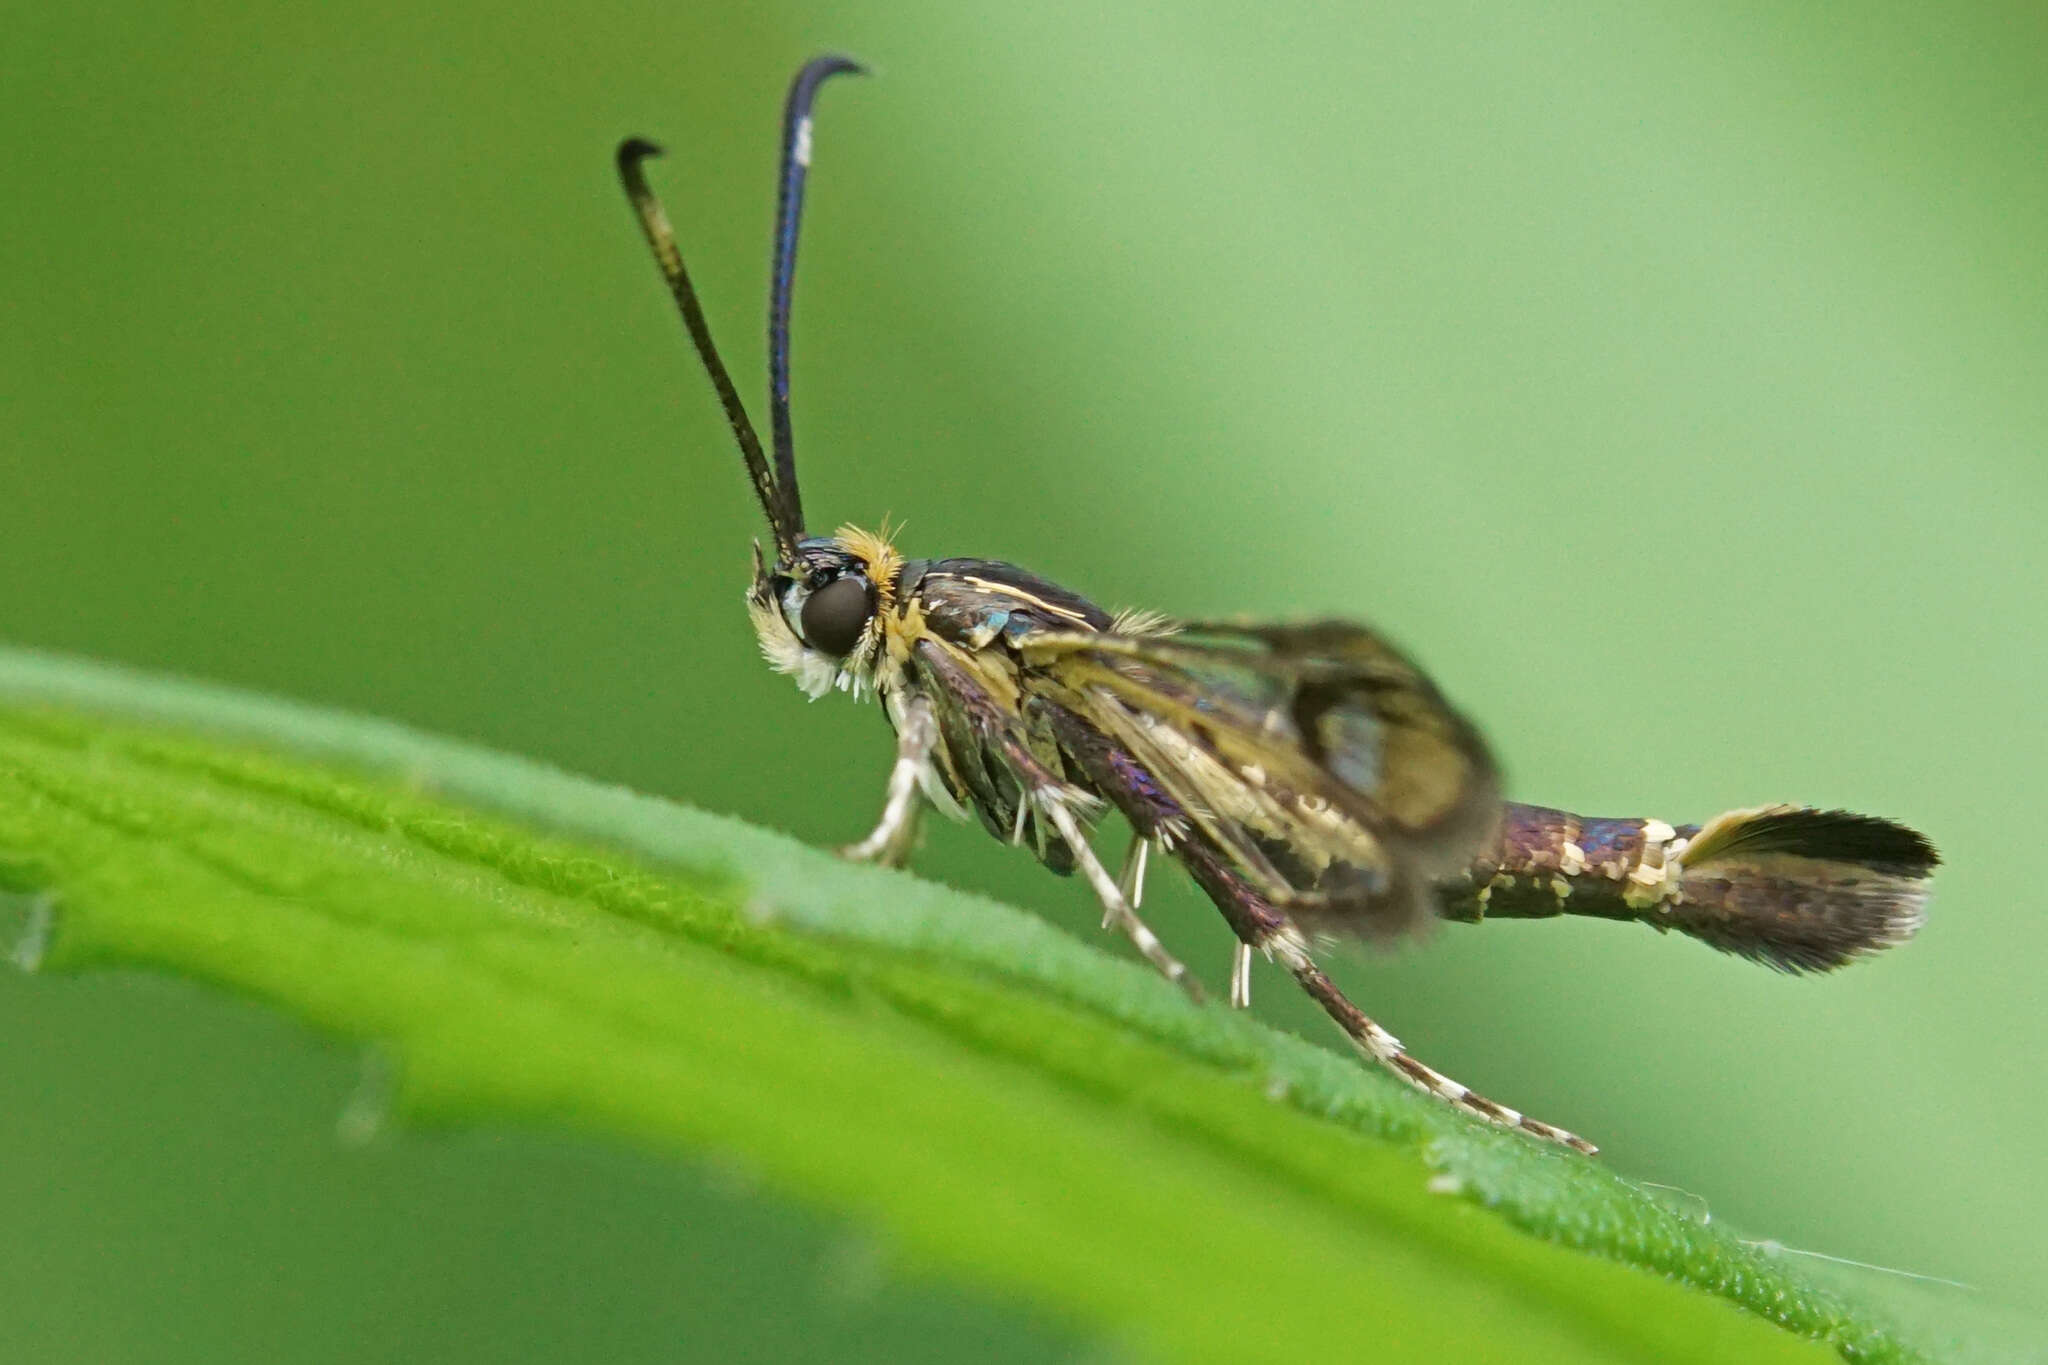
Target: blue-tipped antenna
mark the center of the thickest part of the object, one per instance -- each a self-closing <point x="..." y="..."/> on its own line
<point x="789" y="213"/>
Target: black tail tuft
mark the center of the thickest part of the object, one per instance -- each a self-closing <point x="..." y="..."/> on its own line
<point x="1835" y="835"/>
<point x="1798" y="889"/>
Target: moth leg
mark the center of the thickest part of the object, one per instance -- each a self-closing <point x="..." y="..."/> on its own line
<point x="1257" y="922"/>
<point x="1051" y="799"/>
<point x="890" y="842"/>
<point x="1384" y="1048"/>
<point x="1259" y="925"/>
<point x="1115" y="907"/>
<point x="1241" y="977"/>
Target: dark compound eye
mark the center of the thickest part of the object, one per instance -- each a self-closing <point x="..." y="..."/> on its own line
<point x="835" y="615"/>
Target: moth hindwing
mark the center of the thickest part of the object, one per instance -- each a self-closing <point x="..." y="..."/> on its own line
<point x="1309" y="778"/>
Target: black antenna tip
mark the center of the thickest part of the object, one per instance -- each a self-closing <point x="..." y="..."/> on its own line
<point x="635" y="150"/>
<point x="832" y="64"/>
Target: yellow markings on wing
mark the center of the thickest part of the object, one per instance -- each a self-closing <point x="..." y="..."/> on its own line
<point x="1426" y="766"/>
<point x="1000" y="589"/>
<point x="1239" y="773"/>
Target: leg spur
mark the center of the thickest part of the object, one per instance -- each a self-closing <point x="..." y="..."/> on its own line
<point x="1116" y="907"/>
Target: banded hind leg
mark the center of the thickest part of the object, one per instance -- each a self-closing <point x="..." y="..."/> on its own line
<point x="1259" y="925"/>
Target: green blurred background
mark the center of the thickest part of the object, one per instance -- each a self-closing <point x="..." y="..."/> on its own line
<point x="1670" y="380"/>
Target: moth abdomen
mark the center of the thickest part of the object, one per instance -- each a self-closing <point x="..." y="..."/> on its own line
<point x="1793" y="887"/>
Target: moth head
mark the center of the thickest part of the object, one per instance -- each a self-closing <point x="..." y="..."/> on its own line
<point x="818" y="613"/>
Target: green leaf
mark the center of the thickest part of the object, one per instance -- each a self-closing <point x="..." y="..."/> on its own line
<point x="1000" y="1101"/>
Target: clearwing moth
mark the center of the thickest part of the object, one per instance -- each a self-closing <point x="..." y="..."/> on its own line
<point x="1309" y="777"/>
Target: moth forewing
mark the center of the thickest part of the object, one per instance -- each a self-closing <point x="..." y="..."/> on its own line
<point x="1328" y="767"/>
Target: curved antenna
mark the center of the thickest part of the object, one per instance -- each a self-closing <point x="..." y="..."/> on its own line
<point x="785" y="519"/>
<point x="789" y="212"/>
